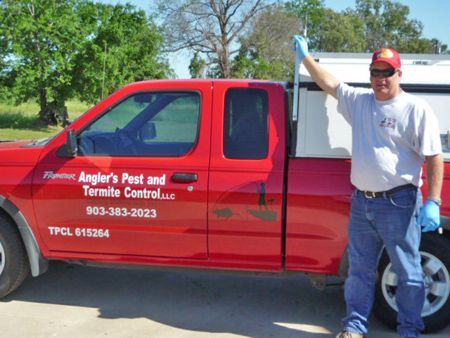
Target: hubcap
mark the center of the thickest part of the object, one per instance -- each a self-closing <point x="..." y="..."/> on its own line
<point x="2" y="258"/>
<point x="437" y="284"/>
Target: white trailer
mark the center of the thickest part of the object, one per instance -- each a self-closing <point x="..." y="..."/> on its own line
<point x="322" y="132"/>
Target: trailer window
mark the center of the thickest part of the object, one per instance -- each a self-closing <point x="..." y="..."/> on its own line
<point x="246" y="124"/>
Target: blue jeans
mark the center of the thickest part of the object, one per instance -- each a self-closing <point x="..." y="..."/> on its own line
<point x="389" y="222"/>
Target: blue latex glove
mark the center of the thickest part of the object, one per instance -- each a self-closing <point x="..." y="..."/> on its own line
<point x="303" y="46"/>
<point x="429" y="216"/>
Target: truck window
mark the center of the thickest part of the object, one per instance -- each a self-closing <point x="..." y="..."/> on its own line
<point x="145" y="124"/>
<point x="246" y="124"/>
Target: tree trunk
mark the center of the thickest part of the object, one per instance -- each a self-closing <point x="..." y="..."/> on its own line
<point x="46" y="114"/>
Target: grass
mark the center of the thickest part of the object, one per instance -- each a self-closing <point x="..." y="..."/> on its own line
<point x="18" y="122"/>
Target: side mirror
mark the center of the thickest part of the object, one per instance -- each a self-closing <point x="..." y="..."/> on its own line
<point x="71" y="143"/>
<point x="147" y="132"/>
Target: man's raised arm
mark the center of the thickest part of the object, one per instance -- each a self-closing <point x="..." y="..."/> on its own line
<point x="322" y="77"/>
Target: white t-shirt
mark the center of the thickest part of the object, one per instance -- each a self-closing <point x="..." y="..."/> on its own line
<point x="390" y="138"/>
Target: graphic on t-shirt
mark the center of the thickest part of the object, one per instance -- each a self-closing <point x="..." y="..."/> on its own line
<point x="388" y="122"/>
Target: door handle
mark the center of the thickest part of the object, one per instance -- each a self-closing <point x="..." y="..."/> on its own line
<point x="184" y="177"/>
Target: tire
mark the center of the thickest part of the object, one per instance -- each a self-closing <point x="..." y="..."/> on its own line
<point x="435" y="252"/>
<point x="14" y="266"/>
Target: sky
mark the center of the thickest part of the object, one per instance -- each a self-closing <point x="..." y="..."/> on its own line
<point x="432" y="13"/>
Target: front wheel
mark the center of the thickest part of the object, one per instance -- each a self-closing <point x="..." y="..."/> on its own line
<point x="14" y="267"/>
<point x="435" y="254"/>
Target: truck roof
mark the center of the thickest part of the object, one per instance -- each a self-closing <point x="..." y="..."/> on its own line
<point x="429" y="69"/>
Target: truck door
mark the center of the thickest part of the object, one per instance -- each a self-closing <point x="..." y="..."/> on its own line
<point x="138" y="185"/>
<point x="246" y="175"/>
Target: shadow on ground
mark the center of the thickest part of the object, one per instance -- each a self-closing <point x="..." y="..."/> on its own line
<point x="244" y="305"/>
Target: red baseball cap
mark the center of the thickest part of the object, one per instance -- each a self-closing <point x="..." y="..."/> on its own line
<point x="388" y="55"/>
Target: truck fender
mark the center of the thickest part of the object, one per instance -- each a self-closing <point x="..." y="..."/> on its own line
<point x="38" y="265"/>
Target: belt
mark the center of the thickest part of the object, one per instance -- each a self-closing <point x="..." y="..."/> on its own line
<point x="378" y="194"/>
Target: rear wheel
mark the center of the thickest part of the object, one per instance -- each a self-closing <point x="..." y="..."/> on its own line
<point x="14" y="267"/>
<point x="435" y="253"/>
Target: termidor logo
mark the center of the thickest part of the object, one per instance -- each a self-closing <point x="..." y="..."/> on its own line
<point x="51" y="175"/>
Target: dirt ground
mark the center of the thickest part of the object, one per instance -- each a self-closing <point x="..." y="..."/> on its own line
<point x="74" y="301"/>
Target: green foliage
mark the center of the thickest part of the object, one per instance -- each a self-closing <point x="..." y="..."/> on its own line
<point x="327" y="30"/>
<point x="22" y="122"/>
<point x="311" y="14"/>
<point x="3" y="53"/>
<point x="386" y="23"/>
<point x="197" y="66"/>
<point x="55" y="50"/>
<point x="266" y="52"/>
<point x="251" y="65"/>
<point x="372" y="24"/>
<point x="36" y="133"/>
<point x="17" y="121"/>
<point x="123" y="46"/>
<point x="340" y="32"/>
<point x="43" y="37"/>
<point x="27" y="112"/>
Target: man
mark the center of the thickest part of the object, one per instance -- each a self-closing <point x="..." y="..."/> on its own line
<point x="393" y="134"/>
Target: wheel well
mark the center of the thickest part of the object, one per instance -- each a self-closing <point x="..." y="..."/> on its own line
<point x="8" y="216"/>
<point x="38" y="265"/>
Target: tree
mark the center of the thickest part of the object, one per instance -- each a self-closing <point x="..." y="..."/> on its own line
<point x="211" y="27"/>
<point x="43" y="37"/>
<point x="123" y="46"/>
<point x="61" y="49"/>
<point x="386" y="23"/>
<point x="197" y="66"/>
<point x="3" y="55"/>
<point x="311" y="14"/>
<point x="340" y="32"/>
<point x="372" y="24"/>
<point x="437" y="47"/>
<point x="266" y="52"/>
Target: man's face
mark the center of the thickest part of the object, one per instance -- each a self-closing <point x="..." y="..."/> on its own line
<point x="385" y="80"/>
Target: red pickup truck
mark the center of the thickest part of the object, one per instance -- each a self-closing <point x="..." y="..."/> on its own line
<point x="212" y="174"/>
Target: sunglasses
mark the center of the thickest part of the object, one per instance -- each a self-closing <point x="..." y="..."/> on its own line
<point x="382" y="72"/>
